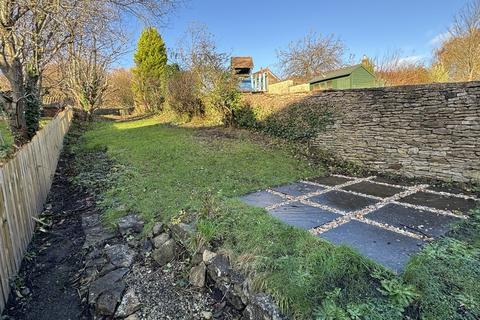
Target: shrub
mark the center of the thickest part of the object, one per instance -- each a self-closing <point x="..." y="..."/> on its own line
<point x="223" y="95"/>
<point x="299" y="122"/>
<point x="244" y="117"/>
<point x="183" y="97"/>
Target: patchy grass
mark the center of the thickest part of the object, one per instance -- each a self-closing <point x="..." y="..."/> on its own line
<point x="447" y="274"/>
<point x="164" y="172"/>
<point x="44" y="121"/>
<point x="169" y="169"/>
<point x="6" y="139"/>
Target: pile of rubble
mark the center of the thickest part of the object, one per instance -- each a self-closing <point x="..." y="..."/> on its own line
<point x="112" y="256"/>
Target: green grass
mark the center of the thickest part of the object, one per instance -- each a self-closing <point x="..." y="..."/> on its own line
<point x="164" y="173"/>
<point x="170" y="169"/>
<point x="6" y="139"/>
<point x="447" y="274"/>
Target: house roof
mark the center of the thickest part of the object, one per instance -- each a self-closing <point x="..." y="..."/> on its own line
<point x="242" y="62"/>
<point x="268" y="71"/>
<point x="343" y="72"/>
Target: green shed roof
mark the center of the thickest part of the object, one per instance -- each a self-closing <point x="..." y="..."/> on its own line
<point x="343" y="72"/>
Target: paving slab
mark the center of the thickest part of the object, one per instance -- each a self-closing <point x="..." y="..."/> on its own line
<point x="330" y="180"/>
<point x="421" y="222"/>
<point x="298" y="189"/>
<point x="373" y="189"/>
<point x="454" y="190"/>
<point x="441" y="202"/>
<point x="343" y="201"/>
<point x="398" y="182"/>
<point x="262" y="199"/>
<point x="303" y="216"/>
<point x="390" y="249"/>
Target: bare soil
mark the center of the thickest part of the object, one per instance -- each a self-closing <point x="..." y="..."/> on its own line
<point x="45" y="287"/>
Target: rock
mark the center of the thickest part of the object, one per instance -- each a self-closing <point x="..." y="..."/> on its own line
<point x="262" y="307"/>
<point x="147" y="246"/>
<point x="25" y="292"/>
<point x="107" y="268"/>
<point x="208" y="256"/>
<point x="157" y="229"/>
<point x="238" y="283"/>
<point x="94" y="254"/>
<point x="132" y="317"/>
<point x="130" y="224"/>
<point x="231" y="296"/>
<point x="97" y="263"/>
<point x="197" y="258"/>
<point x="247" y="289"/>
<point x="160" y="239"/>
<point x="90" y="221"/>
<point x="108" y="300"/>
<point x="105" y="283"/>
<point x="96" y="237"/>
<point x="165" y="253"/>
<point x="197" y="275"/>
<point x="134" y="243"/>
<point x="219" y="268"/>
<point x="207" y="315"/>
<point x="129" y="305"/>
<point x="182" y="232"/>
<point x="95" y="234"/>
<point x="120" y="255"/>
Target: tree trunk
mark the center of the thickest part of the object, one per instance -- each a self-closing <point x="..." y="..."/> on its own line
<point x="32" y="103"/>
<point x="17" y="116"/>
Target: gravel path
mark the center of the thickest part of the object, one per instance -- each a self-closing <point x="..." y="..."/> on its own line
<point x="166" y="294"/>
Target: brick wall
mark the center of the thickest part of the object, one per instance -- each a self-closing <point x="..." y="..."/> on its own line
<point x="430" y="131"/>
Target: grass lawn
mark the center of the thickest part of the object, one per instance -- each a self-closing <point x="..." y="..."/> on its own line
<point x="164" y="173"/>
<point x="6" y="139"/>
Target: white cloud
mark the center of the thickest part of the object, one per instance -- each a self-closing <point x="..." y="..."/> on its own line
<point x="410" y="59"/>
<point x="439" y="39"/>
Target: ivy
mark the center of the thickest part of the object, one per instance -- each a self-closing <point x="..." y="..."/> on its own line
<point x="297" y="122"/>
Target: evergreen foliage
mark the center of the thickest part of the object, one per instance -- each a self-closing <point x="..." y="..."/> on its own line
<point x="150" y="71"/>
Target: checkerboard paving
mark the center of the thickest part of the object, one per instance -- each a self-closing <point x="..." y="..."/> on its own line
<point x="384" y="221"/>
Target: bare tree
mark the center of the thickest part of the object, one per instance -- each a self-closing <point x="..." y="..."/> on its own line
<point x="198" y="53"/>
<point x="119" y="92"/>
<point x="310" y="56"/>
<point x="31" y="34"/>
<point x="460" y="54"/>
<point x="214" y="84"/>
<point x="34" y="32"/>
<point x="393" y="69"/>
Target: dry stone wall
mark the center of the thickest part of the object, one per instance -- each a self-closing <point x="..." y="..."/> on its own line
<point x="430" y="131"/>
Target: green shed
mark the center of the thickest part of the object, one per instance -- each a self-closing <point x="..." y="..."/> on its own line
<point x="353" y="77"/>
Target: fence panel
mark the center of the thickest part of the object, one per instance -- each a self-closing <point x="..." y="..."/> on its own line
<point x="25" y="181"/>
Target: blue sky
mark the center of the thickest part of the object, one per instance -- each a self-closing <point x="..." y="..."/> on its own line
<point x="258" y="28"/>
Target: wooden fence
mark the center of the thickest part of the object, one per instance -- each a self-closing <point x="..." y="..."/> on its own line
<point x="25" y="181"/>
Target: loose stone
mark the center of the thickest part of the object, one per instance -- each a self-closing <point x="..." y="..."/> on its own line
<point x="208" y="256"/>
<point x="159" y="240"/>
<point x="165" y="253"/>
<point x="129" y="305"/>
<point x="197" y="275"/>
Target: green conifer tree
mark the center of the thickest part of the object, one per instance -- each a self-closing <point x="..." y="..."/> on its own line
<point x="149" y="72"/>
